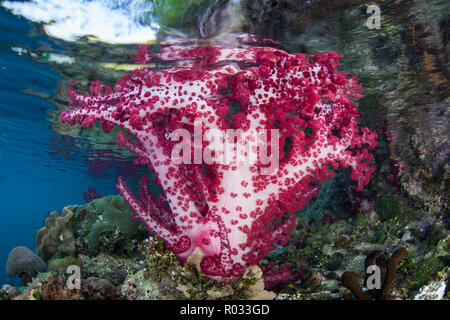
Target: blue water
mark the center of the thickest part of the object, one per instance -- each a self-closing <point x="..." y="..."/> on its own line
<point x="40" y="171"/>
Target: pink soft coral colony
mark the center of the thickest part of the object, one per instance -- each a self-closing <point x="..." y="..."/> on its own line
<point x="233" y="212"/>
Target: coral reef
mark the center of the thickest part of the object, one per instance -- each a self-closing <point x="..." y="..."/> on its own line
<point x="60" y="265"/>
<point x="47" y="286"/>
<point x="162" y="276"/>
<point x="321" y="251"/>
<point x="115" y="268"/>
<point x="102" y="225"/>
<point x="90" y="289"/>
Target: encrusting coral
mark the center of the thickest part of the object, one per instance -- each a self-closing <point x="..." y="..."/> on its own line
<point x="113" y="215"/>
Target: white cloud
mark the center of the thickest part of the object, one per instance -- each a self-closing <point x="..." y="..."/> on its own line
<point x="68" y="19"/>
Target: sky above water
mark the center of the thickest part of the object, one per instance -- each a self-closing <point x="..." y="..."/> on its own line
<point x="109" y="21"/>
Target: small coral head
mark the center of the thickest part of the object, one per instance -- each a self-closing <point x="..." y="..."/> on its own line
<point x="236" y="211"/>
